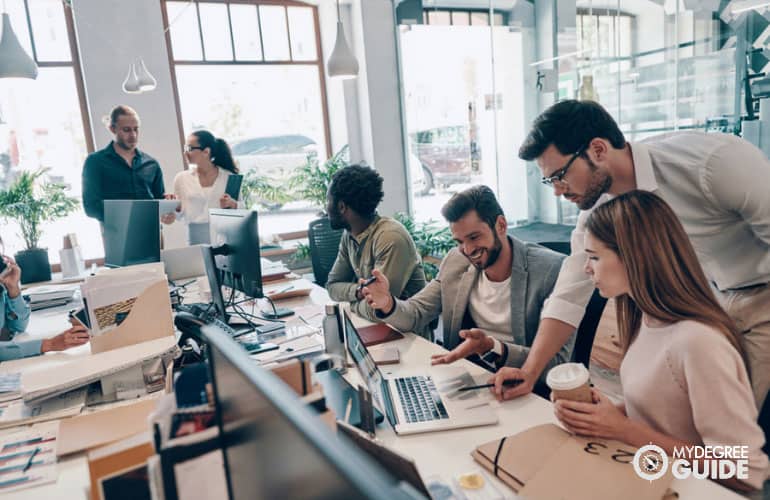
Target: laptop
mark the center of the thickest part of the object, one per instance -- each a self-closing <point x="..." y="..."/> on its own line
<point x="419" y="402"/>
<point x="183" y="263"/>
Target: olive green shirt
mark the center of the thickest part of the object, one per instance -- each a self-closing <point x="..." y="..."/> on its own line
<point x="385" y="245"/>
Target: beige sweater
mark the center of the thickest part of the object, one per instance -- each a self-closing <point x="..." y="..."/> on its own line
<point x="686" y="380"/>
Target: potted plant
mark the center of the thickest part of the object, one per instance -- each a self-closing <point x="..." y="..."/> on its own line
<point x="311" y="181"/>
<point x="432" y="242"/>
<point x="31" y="201"/>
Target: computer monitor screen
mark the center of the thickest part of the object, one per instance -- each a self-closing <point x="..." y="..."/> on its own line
<point x="235" y="241"/>
<point x="274" y="447"/>
<point x="131" y="232"/>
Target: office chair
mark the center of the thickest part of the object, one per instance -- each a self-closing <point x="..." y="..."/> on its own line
<point x="557" y="246"/>
<point x="324" y="247"/>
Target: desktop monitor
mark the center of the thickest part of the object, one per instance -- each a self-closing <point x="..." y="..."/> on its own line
<point x="131" y="232"/>
<point x="274" y="446"/>
<point x="235" y="243"/>
<point x="215" y="282"/>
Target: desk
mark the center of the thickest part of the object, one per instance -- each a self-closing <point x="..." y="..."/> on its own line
<point x="444" y="454"/>
<point x="448" y="454"/>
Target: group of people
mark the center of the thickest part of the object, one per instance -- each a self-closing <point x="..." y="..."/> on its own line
<point x="676" y="229"/>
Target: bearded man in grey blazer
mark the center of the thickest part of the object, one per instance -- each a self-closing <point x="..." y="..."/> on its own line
<point x="489" y="290"/>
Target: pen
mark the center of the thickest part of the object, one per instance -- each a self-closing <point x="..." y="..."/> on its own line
<point x="506" y="383"/>
<point x="368" y="282"/>
<point x="31" y="457"/>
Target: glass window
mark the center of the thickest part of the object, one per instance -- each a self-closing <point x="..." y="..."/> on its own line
<point x="272" y="115"/>
<point x="302" y="31"/>
<point x="274" y="35"/>
<point x="185" y="35"/>
<point x="216" y="31"/>
<point x="439" y="17"/>
<point x="41" y="126"/>
<point x="248" y="46"/>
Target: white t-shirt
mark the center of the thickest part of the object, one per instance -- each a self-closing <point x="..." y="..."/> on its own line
<point x="196" y="200"/>
<point x="490" y="307"/>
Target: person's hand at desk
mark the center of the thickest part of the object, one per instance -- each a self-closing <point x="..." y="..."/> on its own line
<point x="377" y="293"/>
<point x="75" y="336"/>
<point x="503" y="393"/>
<point x="10" y="277"/>
<point x="601" y="419"/>
<point x="476" y="342"/>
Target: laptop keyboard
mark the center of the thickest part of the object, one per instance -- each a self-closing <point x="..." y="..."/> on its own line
<point x="420" y="399"/>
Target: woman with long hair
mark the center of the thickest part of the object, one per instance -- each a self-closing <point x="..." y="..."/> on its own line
<point x="203" y="186"/>
<point x="683" y="374"/>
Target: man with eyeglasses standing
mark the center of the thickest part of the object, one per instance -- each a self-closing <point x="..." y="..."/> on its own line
<point x="718" y="185"/>
<point x="120" y="171"/>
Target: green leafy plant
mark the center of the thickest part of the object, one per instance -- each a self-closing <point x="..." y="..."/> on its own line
<point x="311" y="181"/>
<point x="31" y="201"/>
<point x="433" y="242"/>
<point x="258" y="189"/>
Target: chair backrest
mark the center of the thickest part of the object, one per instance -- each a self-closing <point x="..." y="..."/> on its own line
<point x="324" y="247"/>
<point x="586" y="331"/>
<point x="557" y="246"/>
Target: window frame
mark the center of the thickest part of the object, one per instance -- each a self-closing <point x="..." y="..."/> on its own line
<point x="318" y="61"/>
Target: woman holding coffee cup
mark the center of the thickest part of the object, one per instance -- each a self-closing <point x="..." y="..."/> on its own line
<point x="683" y="375"/>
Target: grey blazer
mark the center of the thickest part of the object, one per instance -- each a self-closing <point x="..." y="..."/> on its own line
<point x="533" y="275"/>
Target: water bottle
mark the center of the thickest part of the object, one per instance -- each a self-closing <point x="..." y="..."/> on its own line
<point x="334" y="337"/>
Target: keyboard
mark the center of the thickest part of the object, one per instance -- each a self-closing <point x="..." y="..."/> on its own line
<point x="420" y="400"/>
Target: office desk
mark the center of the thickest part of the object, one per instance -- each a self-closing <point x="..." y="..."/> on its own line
<point x="445" y="454"/>
<point x="448" y="454"/>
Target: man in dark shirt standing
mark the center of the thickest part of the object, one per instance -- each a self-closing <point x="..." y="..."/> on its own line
<point x="120" y="171"/>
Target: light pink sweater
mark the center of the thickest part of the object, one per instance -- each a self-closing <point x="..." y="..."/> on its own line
<point x="686" y="380"/>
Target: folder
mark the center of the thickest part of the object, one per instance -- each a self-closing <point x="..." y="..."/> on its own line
<point x="547" y="462"/>
<point x="103" y="427"/>
<point x="124" y="458"/>
<point x="378" y="334"/>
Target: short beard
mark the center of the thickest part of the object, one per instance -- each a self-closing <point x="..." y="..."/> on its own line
<point x="600" y="184"/>
<point x="492" y="253"/>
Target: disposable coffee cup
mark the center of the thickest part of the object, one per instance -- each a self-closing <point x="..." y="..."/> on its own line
<point x="569" y="381"/>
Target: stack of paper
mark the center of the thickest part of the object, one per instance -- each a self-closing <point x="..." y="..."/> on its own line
<point x="28" y="458"/>
<point x="10" y="386"/>
<point x="61" y="406"/>
<point x="40" y="297"/>
<point x="272" y="271"/>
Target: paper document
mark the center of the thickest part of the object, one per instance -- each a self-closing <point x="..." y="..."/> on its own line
<point x="50" y="292"/>
<point x="63" y="405"/>
<point x="28" y="458"/>
<point x="166" y="207"/>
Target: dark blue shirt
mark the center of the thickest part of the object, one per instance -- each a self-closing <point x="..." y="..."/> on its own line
<point x="107" y="176"/>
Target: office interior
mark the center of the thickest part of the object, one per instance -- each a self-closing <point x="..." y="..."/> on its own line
<point x="444" y="94"/>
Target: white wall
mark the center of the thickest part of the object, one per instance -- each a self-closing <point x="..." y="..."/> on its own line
<point x="110" y="33"/>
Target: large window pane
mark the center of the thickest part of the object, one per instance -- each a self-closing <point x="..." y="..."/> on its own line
<point x="272" y="117"/>
<point x="50" y="30"/>
<point x="302" y="30"/>
<point x="43" y="129"/>
<point x="274" y="35"/>
<point x="185" y="35"/>
<point x="245" y="23"/>
<point x="216" y="32"/>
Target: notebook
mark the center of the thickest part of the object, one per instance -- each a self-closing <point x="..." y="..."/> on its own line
<point x="378" y="334"/>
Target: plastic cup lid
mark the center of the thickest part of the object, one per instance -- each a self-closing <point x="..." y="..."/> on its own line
<point x="567" y="376"/>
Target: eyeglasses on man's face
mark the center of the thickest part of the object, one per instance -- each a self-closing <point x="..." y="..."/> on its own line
<point x="558" y="176"/>
<point x="188" y="148"/>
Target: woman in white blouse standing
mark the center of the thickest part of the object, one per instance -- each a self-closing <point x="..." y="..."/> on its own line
<point x="203" y="186"/>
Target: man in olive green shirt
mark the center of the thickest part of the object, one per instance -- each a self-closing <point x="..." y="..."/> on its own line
<point x="369" y="241"/>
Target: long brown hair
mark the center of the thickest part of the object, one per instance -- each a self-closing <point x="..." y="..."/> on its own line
<point x="665" y="277"/>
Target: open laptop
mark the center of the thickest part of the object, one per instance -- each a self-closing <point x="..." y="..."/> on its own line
<point x="418" y="403"/>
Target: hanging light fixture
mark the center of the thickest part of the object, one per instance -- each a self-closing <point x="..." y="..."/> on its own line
<point x="145" y="80"/>
<point x="14" y="61"/>
<point x="342" y="62"/>
<point x="131" y="84"/>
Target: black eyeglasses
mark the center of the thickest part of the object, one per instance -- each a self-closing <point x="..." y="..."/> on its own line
<point x="559" y="174"/>
<point x="188" y="148"/>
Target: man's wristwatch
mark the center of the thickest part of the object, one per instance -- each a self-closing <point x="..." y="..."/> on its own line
<point x="496" y="356"/>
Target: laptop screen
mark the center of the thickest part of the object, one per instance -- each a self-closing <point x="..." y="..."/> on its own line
<point x="365" y="363"/>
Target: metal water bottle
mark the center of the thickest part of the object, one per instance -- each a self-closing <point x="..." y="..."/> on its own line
<point x="334" y="336"/>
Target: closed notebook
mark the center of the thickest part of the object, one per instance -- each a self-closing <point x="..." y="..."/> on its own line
<point x="378" y="334"/>
<point x="547" y="462"/>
